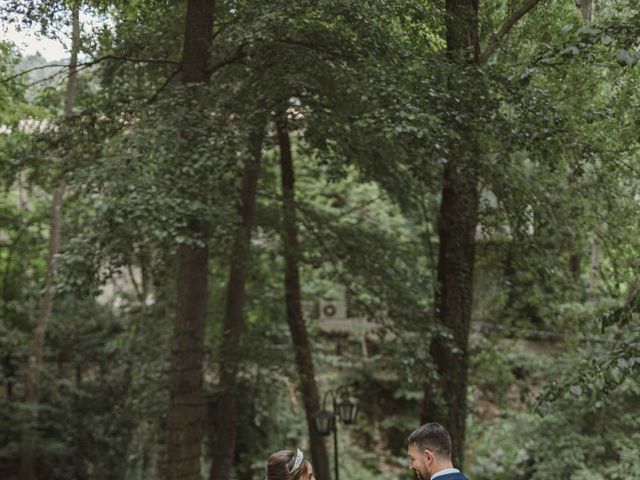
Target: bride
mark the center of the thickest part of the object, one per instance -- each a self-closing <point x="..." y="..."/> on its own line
<point x="288" y="465"/>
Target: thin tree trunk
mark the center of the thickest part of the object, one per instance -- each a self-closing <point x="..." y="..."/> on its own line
<point x="456" y="230"/>
<point x="594" y="273"/>
<point x="186" y="403"/>
<point x="302" y="347"/>
<point x="8" y="359"/>
<point x="230" y="352"/>
<point x="586" y="9"/>
<point x="36" y="348"/>
<point x="80" y="454"/>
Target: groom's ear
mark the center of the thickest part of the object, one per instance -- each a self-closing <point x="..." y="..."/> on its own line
<point x="428" y="454"/>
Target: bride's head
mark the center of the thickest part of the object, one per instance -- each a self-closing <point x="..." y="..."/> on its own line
<point x="288" y="465"/>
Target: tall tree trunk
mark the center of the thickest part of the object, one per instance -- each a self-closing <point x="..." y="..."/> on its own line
<point x="456" y="231"/>
<point x="186" y="403"/>
<point x="586" y="8"/>
<point x="230" y="353"/>
<point x="458" y="220"/>
<point x="36" y="347"/>
<point x="298" y="329"/>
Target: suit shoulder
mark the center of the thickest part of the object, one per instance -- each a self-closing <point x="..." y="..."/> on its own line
<point x="453" y="476"/>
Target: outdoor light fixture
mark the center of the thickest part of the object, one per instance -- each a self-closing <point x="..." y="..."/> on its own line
<point x="325" y="422"/>
<point x="347" y="411"/>
<point x="343" y="409"/>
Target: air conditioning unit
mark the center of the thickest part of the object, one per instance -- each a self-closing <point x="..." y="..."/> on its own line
<point x="332" y="310"/>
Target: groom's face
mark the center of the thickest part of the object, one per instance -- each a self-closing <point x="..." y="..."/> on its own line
<point x="420" y="463"/>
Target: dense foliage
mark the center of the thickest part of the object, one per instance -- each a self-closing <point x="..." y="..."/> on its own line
<point x="376" y="108"/>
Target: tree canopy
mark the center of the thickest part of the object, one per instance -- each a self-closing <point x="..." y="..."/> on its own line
<point x="214" y="213"/>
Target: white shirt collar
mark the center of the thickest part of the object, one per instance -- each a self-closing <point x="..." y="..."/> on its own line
<point x="446" y="471"/>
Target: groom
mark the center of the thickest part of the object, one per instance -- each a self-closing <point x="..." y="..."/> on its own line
<point x="430" y="454"/>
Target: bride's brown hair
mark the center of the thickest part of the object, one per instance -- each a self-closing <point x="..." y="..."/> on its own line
<point x="280" y="467"/>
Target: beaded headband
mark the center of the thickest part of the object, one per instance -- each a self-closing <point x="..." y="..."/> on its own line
<point x="298" y="462"/>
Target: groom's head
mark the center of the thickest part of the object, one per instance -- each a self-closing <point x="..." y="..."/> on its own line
<point x="429" y="450"/>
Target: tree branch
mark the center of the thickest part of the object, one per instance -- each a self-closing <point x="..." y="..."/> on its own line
<point x="92" y="63"/>
<point x="506" y="28"/>
<point x="162" y="61"/>
<point x="165" y="85"/>
<point x="47" y="78"/>
<point x="236" y="57"/>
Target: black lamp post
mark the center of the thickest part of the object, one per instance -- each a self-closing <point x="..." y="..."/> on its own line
<point x="343" y="409"/>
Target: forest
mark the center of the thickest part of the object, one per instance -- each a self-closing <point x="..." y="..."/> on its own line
<point x="224" y="221"/>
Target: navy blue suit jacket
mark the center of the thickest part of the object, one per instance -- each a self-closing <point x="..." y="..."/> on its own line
<point x="452" y="476"/>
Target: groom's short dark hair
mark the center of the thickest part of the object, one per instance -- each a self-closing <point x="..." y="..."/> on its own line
<point x="432" y="436"/>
